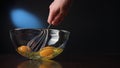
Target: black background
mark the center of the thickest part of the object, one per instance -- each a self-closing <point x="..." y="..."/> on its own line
<point x="92" y="24"/>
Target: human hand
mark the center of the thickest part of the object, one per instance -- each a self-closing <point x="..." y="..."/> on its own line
<point x="58" y="10"/>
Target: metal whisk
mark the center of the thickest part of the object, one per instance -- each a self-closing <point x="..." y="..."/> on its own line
<point x="40" y="40"/>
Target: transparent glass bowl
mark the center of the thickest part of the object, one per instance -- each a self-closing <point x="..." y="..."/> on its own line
<point x="39" y="44"/>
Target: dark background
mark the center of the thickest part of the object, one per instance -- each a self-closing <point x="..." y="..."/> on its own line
<point x="92" y="24"/>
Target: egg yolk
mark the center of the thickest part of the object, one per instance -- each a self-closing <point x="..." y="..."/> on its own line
<point x="24" y="49"/>
<point x="47" y="52"/>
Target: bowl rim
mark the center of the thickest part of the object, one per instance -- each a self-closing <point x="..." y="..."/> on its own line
<point x="66" y="31"/>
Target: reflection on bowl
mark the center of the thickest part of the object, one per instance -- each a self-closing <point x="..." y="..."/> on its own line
<point x="39" y="44"/>
<point x="39" y="64"/>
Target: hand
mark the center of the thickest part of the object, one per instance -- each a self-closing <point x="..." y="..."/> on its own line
<point x="58" y="10"/>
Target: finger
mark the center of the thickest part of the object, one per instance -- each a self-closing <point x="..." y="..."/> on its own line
<point x="52" y="15"/>
<point x="57" y="22"/>
<point x="58" y="18"/>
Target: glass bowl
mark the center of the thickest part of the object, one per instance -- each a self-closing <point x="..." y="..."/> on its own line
<point x="39" y="44"/>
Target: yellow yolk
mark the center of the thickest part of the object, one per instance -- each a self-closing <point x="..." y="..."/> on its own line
<point x="47" y="52"/>
<point x="24" y="49"/>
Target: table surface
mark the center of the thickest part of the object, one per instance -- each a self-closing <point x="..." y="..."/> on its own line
<point x="70" y="61"/>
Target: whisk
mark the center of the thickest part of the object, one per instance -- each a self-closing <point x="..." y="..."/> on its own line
<point x="40" y="40"/>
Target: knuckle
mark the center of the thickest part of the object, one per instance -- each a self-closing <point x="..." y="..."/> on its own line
<point x="50" y="6"/>
<point x="53" y="10"/>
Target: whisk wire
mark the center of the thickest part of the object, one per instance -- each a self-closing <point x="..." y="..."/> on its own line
<point x="33" y="40"/>
<point x="39" y="40"/>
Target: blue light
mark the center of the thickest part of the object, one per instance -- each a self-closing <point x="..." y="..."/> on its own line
<point x="25" y="19"/>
